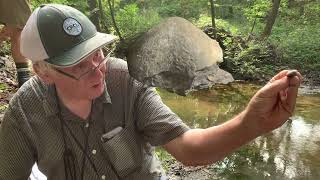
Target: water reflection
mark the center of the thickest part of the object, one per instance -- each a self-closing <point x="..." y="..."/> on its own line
<point x="290" y="152"/>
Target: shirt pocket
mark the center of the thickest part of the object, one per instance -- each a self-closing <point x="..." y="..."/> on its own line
<point x="124" y="151"/>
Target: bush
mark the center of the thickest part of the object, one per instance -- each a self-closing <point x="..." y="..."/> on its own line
<point x="299" y="44"/>
<point x="132" y="22"/>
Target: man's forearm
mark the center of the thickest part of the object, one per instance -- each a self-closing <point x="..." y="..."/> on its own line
<point x="205" y="146"/>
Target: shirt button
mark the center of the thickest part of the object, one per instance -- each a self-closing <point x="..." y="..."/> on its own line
<point x="86" y="125"/>
<point x="103" y="177"/>
<point x="94" y="151"/>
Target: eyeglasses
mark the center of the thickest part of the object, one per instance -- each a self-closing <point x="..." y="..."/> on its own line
<point x="91" y="70"/>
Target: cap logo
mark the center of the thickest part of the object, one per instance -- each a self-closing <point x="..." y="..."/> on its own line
<point x="72" y="27"/>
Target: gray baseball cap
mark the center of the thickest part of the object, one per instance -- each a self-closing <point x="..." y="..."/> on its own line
<point x="61" y="36"/>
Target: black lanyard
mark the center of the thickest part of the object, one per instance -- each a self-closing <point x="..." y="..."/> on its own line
<point x="68" y="155"/>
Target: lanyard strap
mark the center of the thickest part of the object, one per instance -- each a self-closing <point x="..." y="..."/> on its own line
<point x="68" y="155"/>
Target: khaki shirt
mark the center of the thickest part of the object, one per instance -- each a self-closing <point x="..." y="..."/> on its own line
<point x="14" y="12"/>
<point x="31" y="131"/>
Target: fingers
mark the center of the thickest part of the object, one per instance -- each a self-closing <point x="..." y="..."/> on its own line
<point x="293" y="92"/>
<point x="295" y="78"/>
<point x="288" y="96"/>
<point x="283" y="102"/>
<point x="279" y="76"/>
<point x="275" y="86"/>
<point x="288" y="73"/>
<point x="281" y="82"/>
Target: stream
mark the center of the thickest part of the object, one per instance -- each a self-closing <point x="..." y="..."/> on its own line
<point x="289" y="152"/>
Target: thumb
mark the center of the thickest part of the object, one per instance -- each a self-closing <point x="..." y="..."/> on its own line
<point x="294" y="84"/>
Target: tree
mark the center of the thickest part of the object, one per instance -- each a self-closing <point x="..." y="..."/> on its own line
<point x="102" y="17"/>
<point x="271" y="19"/>
<point x="113" y="20"/>
<point x="94" y="15"/>
<point x="213" y="17"/>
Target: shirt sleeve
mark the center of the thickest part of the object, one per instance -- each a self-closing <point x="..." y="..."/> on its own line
<point x="16" y="157"/>
<point x="155" y="120"/>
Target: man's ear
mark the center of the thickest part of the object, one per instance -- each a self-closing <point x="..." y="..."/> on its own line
<point x="44" y="75"/>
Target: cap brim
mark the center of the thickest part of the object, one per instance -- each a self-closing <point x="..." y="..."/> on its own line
<point x="79" y="52"/>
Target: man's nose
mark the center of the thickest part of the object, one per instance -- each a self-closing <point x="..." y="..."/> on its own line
<point x="98" y="71"/>
<point x="95" y="62"/>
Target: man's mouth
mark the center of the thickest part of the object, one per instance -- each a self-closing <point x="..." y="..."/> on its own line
<point x="97" y="84"/>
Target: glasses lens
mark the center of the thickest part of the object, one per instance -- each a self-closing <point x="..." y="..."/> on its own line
<point x="97" y="54"/>
<point x="103" y="62"/>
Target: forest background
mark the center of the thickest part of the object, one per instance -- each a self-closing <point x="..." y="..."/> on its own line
<point x="259" y="37"/>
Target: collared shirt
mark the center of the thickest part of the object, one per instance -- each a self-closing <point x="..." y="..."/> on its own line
<point x="31" y="131"/>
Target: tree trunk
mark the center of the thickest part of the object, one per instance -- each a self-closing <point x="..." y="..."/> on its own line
<point x="213" y="17"/>
<point x="271" y="19"/>
<point x="114" y="21"/>
<point x="102" y="17"/>
<point x="94" y="13"/>
<point x="250" y="34"/>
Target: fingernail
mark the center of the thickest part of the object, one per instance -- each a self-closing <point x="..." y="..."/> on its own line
<point x="292" y="73"/>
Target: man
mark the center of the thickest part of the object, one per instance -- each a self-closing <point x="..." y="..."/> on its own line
<point x="14" y="14"/>
<point x="84" y="118"/>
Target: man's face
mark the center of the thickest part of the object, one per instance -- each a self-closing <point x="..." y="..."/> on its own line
<point x="83" y="81"/>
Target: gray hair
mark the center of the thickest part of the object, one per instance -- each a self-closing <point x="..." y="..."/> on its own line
<point x="42" y="67"/>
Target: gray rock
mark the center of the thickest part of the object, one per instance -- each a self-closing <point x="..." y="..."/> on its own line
<point x="177" y="56"/>
<point x="207" y="77"/>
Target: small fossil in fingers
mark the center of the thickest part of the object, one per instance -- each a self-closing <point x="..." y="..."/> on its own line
<point x="292" y="73"/>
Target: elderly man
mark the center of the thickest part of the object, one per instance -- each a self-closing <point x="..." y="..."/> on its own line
<point x="84" y="117"/>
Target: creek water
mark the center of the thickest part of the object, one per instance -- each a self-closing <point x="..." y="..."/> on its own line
<point x="289" y="152"/>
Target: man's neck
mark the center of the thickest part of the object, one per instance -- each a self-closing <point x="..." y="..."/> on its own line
<point x="80" y="107"/>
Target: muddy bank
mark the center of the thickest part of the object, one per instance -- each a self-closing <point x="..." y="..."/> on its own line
<point x="179" y="172"/>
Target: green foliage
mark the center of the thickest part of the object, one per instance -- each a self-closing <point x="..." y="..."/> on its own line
<point x="131" y="21"/>
<point x="189" y="9"/>
<point x="80" y="5"/>
<point x="294" y="41"/>
<point x="252" y="61"/>
<point x="37" y="3"/>
<point x="3" y="87"/>
<point x="258" y="9"/>
<point x="205" y="20"/>
<point x="312" y="12"/>
<point x="3" y="107"/>
<point x="299" y="44"/>
<point x="223" y="24"/>
<point x="171" y="9"/>
<point x="165" y="158"/>
<point x="5" y="48"/>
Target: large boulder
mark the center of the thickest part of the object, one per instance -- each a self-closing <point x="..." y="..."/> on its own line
<point x="177" y="56"/>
